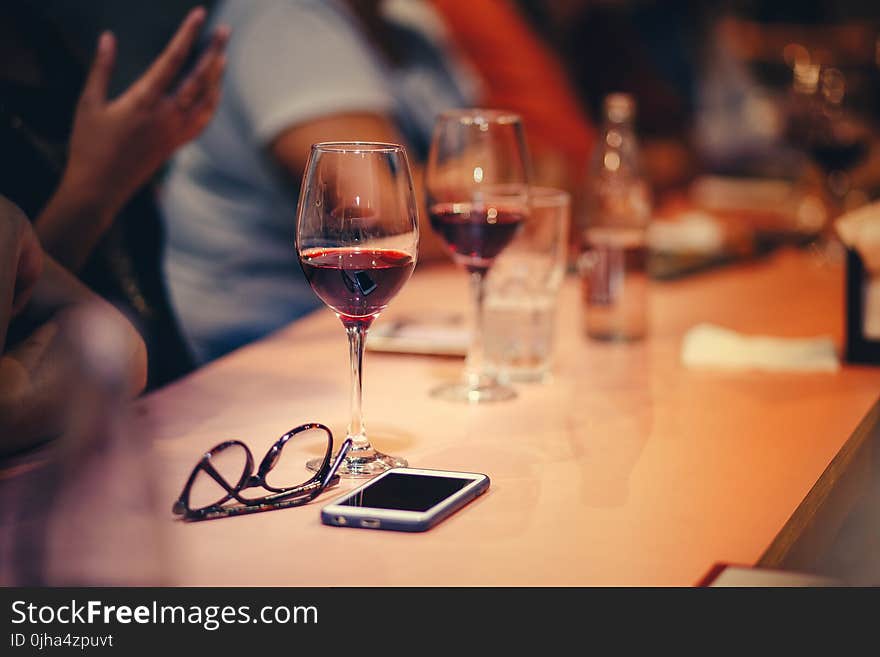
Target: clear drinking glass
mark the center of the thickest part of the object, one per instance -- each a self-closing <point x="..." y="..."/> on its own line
<point x="357" y="238"/>
<point x="523" y="288"/>
<point x="477" y="183"/>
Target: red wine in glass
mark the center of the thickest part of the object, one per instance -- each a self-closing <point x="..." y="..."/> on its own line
<point x="475" y="235"/>
<point x="356" y="283"/>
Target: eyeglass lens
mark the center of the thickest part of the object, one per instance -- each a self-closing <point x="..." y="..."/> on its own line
<point x="289" y="469"/>
<point x="230" y="463"/>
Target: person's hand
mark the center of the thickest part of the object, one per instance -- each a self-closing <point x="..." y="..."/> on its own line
<point x="20" y="246"/>
<point x="117" y="145"/>
<point x="30" y="266"/>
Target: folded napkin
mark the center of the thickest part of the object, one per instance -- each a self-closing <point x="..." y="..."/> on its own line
<point x="691" y="232"/>
<point x="711" y="346"/>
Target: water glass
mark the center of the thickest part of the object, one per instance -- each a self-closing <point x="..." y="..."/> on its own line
<point x="523" y="288"/>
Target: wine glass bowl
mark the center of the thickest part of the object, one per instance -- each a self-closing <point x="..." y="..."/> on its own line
<point x="477" y="183"/>
<point x="357" y="283"/>
<point x="357" y="241"/>
<point x="476" y="233"/>
<point x="823" y="122"/>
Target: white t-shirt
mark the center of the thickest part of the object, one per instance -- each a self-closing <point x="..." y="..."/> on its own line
<point x="229" y="212"/>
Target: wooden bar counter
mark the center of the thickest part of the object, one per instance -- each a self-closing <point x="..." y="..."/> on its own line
<point x="626" y="469"/>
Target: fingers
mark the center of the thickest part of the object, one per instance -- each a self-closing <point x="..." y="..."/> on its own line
<point x="102" y="67"/>
<point x="207" y="72"/>
<point x="30" y="266"/>
<point x="201" y="113"/>
<point x="160" y="75"/>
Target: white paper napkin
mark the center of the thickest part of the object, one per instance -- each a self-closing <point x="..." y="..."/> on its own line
<point x="710" y="346"/>
<point x="691" y="232"/>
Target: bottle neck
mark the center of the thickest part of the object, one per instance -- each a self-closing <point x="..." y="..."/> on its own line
<point x="618" y="196"/>
<point x="623" y="126"/>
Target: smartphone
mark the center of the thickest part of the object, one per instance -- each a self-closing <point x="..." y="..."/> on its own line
<point x="405" y="499"/>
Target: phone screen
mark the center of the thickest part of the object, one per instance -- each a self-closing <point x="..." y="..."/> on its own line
<point x="406" y="492"/>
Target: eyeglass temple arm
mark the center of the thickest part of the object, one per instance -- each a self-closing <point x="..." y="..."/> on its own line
<point x="343" y="450"/>
<point x="216" y="512"/>
<point x="312" y="487"/>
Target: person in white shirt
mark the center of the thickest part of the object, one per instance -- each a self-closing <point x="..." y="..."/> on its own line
<point x="298" y="72"/>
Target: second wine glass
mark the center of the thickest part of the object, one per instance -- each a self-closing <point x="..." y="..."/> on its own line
<point x="357" y="237"/>
<point x="477" y="184"/>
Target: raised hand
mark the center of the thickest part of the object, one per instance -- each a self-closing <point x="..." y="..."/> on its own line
<point x="118" y="144"/>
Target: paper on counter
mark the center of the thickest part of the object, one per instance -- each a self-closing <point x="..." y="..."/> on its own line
<point x="432" y="335"/>
<point x="710" y="346"/>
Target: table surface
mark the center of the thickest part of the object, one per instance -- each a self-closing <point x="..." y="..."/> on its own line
<point x="626" y="469"/>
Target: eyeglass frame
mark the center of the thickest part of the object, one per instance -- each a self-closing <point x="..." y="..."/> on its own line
<point x="303" y="493"/>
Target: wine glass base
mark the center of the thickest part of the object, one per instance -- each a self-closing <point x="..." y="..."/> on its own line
<point x="362" y="467"/>
<point x="462" y="392"/>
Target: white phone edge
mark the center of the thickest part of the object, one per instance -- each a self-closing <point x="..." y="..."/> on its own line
<point x="337" y="515"/>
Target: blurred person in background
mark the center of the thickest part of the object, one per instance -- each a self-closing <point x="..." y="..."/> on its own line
<point x="818" y="64"/>
<point x="38" y="305"/>
<point x="646" y="48"/>
<point x="80" y="162"/>
<point x="528" y="79"/>
<point x="299" y="72"/>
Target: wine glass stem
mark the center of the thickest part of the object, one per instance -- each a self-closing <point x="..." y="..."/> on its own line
<point x="357" y="333"/>
<point x="474" y="369"/>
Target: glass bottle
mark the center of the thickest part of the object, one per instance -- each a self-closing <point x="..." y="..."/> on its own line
<point x="618" y="207"/>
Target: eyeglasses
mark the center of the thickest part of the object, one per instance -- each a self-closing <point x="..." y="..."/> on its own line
<point x="227" y="470"/>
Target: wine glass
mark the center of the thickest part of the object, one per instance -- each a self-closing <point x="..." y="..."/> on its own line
<point x="825" y="124"/>
<point x="357" y="238"/>
<point x="477" y="184"/>
<point x="837" y="141"/>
